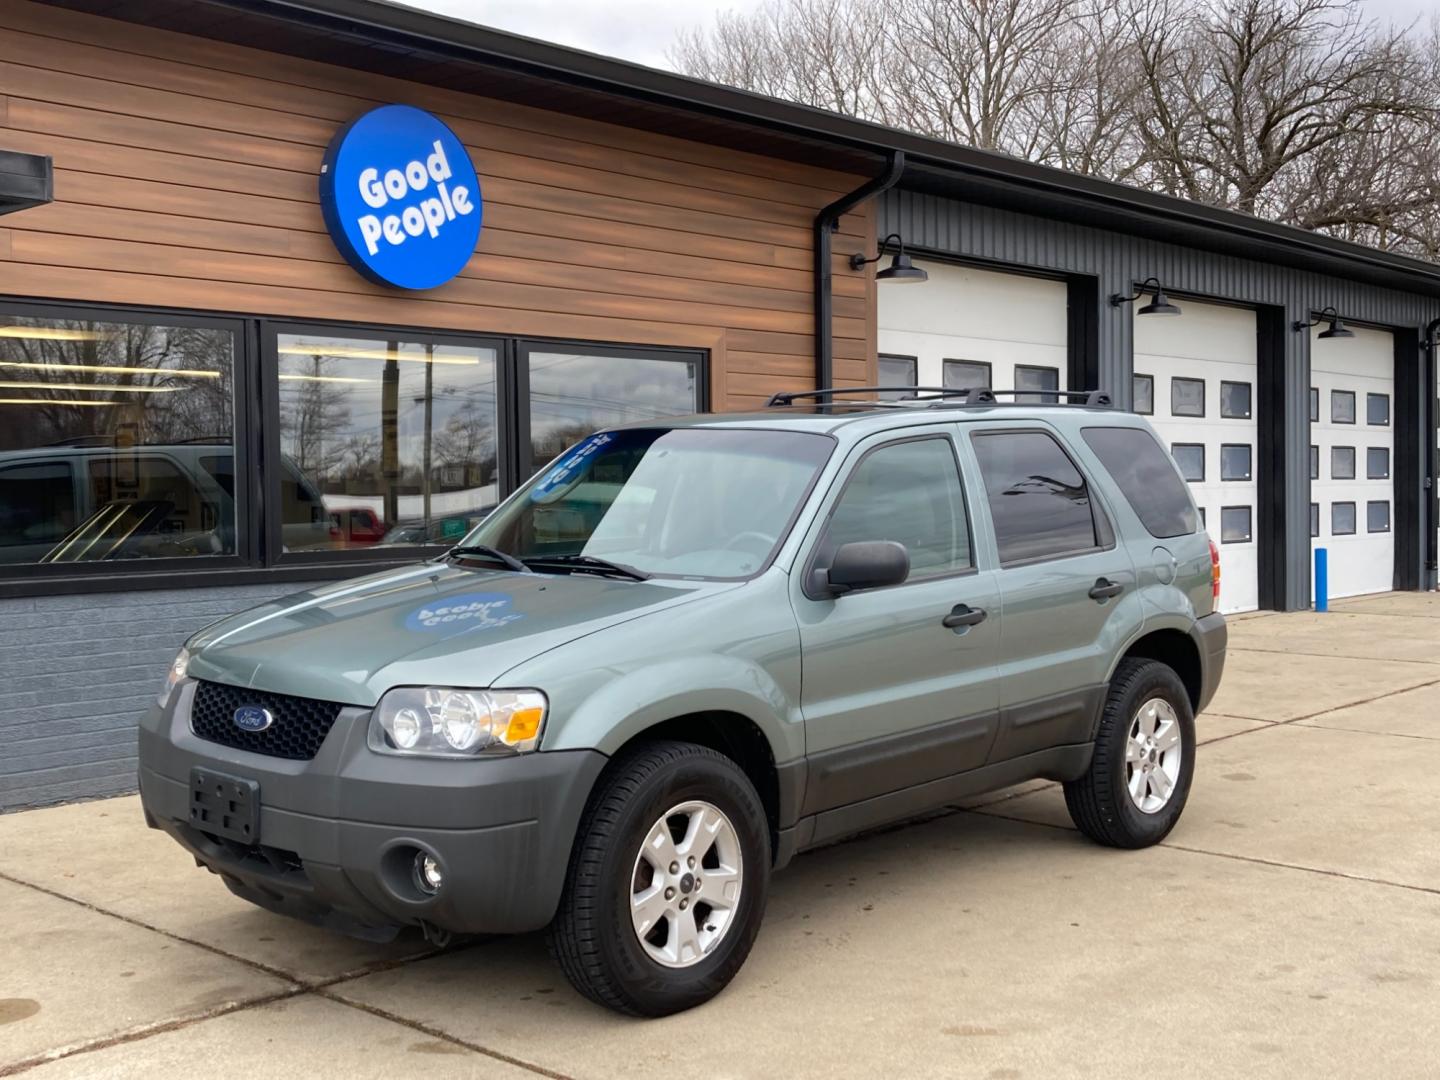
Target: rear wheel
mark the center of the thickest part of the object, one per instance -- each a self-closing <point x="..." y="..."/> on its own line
<point x="667" y="883"/>
<point x="1139" y="776"/>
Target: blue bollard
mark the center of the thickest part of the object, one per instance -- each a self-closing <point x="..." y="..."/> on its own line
<point x="1322" y="579"/>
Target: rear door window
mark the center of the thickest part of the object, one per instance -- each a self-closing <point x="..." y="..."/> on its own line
<point x="1146" y="477"/>
<point x="1039" y="501"/>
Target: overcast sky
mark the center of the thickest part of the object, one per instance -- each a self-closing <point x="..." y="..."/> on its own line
<point x="641" y="30"/>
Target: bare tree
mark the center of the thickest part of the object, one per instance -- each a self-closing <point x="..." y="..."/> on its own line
<point x="1305" y="111"/>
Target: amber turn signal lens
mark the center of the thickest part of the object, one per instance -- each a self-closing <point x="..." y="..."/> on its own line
<point x="524" y="724"/>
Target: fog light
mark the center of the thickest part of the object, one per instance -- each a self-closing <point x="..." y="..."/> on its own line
<point x="427" y="873"/>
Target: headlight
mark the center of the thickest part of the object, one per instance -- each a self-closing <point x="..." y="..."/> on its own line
<point x="173" y="676"/>
<point x="436" y="721"/>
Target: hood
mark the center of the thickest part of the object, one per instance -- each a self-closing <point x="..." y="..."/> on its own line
<point x="432" y="624"/>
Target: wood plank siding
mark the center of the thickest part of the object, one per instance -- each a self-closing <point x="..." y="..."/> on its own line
<point x="186" y="176"/>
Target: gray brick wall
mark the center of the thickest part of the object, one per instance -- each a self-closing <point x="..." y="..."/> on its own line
<point x="76" y="672"/>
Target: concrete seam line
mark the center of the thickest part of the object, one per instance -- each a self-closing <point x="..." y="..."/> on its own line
<point x="1354" y="704"/>
<point x="437" y="1033"/>
<point x="1313" y="725"/>
<point x="1165" y="844"/>
<point x="300" y="981"/>
<point x="145" y="1031"/>
<point x="256" y="964"/>
<point x="1335" y="656"/>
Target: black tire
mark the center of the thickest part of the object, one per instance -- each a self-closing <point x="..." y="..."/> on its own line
<point x="1099" y="802"/>
<point x="592" y="936"/>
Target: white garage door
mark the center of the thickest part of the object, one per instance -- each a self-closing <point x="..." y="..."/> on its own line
<point x="1352" y="509"/>
<point x="1195" y="377"/>
<point x="968" y="328"/>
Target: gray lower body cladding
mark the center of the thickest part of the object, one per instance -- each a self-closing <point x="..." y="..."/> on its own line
<point x="337" y="835"/>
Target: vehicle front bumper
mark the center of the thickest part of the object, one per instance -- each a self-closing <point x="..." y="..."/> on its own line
<point x="1211" y="636"/>
<point x="337" y="834"/>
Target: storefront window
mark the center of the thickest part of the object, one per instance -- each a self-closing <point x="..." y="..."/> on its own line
<point x="384" y="442"/>
<point x="105" y="430"/>
<point x="573" y="394"/>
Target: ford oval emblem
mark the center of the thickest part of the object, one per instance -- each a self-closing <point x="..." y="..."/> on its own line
<point x="253" y="718"/>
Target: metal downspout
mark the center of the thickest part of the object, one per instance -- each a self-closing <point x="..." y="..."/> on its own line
<point x="826" y="222"/>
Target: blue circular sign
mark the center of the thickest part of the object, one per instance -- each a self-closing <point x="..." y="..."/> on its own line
<point x="401" y="198"/>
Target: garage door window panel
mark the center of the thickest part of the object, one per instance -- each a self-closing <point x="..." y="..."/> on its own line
<point x="1342" y="406"/>
<point x="967" y="375"/>
<point x="1032" y="378"/>
<point x="1314" y="463"/>
<point x="1377" y="516"/>
<point x="1342" y="463"/>
<point x="1314" y="404"/>
<point x="1377" y="409"/>
<point x="898" y="371"/>
<point x="1235" y="524"/>
<point x="1235" y="461"/>
<point x="1190" y="457"/>
<point x="1187" y="397"/>
<point x="1377" y="463"/>
<point x="1143" y="394"/>
<point x="1146" y="477"/>
<point x="1314" y="520"/>
<point x="1040" y="503"/>
<point x="1235" y="400"/>
<point x="1342" y="519"/>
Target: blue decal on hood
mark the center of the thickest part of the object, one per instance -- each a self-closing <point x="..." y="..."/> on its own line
<point x="566" y="469"/>
<point x="471" y="611"/>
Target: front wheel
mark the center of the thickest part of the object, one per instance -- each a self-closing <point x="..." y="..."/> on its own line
<point x="1139" y="776"/>
<point x="667" y="883"/>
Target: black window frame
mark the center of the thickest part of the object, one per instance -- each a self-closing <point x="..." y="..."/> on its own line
<point x="1354" y="518"/>
<point x="1249" y="519"/>
<point x="1189" y="446"/>
<point x="1354" y="463"/>
<point x="259" y="558"/>
<point x="1203" y="390"/>
<point x="810" y="585"/>
<point x="1389" y="522"/>
<point x="1249" y="400"/>
<point x="1371" y="397"/>
<point x="1249" y="457"/>
<point x="1354" y="406"/>
<point x="28" y="579"/>
<point x="1101" y="520"/>
<point x="945" y="362"/>
<point x="1135" y="377"/>
<point x="1373" y="450"/>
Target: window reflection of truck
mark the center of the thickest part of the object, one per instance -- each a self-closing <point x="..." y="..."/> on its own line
<point x="87" y="501"/>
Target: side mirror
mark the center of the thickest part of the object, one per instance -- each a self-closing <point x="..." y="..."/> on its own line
<point x="867" y="564"/>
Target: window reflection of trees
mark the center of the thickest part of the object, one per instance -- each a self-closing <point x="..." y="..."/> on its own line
<point x="96" y="382"/>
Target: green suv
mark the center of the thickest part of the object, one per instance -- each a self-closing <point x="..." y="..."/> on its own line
<point x="686" y="651"/>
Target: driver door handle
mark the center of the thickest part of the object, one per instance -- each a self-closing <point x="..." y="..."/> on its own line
<point x="963" y="615"/>
<point x="1104" y="589"/>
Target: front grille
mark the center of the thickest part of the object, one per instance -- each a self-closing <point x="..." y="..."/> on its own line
<point x="300" y="726"/>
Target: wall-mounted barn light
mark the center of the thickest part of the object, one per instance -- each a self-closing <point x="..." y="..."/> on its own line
<point x="900" y="271"/>
<point x="1337" y="328"/>
<point x="1159" y="304"/>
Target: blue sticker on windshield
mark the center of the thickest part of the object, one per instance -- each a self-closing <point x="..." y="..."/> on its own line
<point x="568" y="467"/>
<point x="470" y="611"/>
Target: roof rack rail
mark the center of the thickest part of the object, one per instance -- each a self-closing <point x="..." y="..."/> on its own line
<point x="977" y="395"/>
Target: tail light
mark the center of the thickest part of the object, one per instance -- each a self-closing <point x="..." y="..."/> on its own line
<point x="1215" y="573"/>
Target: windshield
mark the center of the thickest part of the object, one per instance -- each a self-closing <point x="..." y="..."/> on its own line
<point x="690" y="502"/>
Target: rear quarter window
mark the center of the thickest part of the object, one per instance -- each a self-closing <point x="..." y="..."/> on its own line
<point x="1146" y="477"/>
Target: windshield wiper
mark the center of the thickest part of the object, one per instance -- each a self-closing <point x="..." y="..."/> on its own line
<point x="495" y="554"/>
<point x="589" y="564"/>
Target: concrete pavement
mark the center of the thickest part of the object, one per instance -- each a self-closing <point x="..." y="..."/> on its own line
<point x="1289" y="926"/>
